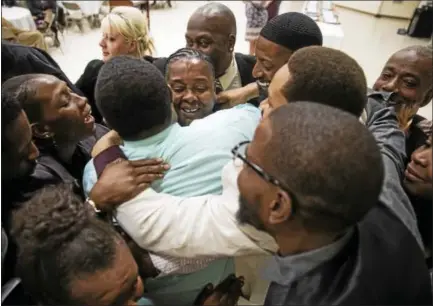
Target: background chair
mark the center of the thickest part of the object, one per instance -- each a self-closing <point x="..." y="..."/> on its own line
<point x="52" y="31"/>
<point x="74" y="14"/>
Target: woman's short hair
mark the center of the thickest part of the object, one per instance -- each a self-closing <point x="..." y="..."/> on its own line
<point x="189" y="54"/>
<point x="132" y="25"/>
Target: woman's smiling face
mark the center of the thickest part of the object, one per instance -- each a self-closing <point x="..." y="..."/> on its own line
<point x="418" y="175"/>
<point x="192" y="84"/>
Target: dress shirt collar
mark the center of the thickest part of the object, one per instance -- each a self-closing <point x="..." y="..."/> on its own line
<point x="285" y="270"/>
<point x="228" y="77"/>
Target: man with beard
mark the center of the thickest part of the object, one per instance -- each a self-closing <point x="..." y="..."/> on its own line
<point x="349" y="76"/>
<point x="20" y="182"/>
<point x="408" y="76"/>
<point x="142" y="115"/>
<point x="278" y="40"/>
<point x="19" y="155"/>
<point x="304" y="78"/>
<point x="182" y="221"/>
<point x="326" y="221"/>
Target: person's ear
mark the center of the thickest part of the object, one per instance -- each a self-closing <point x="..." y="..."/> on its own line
<point x="281" y="208"/>
<point x="41" y="131"/>
<point x="133" y="47"/>
<point x="232" y="41"/>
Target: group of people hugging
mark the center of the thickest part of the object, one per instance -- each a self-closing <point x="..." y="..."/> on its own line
<point x="213" y="177"/>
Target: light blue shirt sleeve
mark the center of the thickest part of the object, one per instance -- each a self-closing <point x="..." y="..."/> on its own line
<point x="242" y="120"/>
<point x="89" y="177"/>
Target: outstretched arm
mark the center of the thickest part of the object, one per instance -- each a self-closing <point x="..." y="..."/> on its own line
<point x="384" y="126"/>
<point x="191" y="227"/>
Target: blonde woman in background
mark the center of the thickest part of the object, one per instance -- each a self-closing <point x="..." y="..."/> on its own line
<point x="124" y="32"/>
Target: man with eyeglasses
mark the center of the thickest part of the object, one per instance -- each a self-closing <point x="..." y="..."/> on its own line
<point x="305" y="78"/>
<point x="337" y="244"/>
<point x="184" y="223"/>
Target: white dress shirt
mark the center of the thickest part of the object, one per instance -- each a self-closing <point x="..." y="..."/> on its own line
<point x="207" y="225"/>
<point x="231" y="79"/>
<point x="193" y="227"/>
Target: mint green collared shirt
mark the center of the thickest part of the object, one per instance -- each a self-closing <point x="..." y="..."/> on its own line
<point x="197" y="154"/>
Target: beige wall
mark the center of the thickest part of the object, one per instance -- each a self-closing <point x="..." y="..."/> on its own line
<point x="389" y="8"/>
<point x="404" y="9"/>
<point x="371" y="7"/>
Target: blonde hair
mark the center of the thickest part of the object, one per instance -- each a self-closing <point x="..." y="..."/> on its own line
<point x="132" y="25"/>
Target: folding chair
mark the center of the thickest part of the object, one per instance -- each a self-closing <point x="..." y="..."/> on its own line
<point x="52" y="32"/>
<point x="74" y="14"/>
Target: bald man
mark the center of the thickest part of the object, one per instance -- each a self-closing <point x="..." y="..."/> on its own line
<point x="212" y="30"/>
<point x="408" y="75"/>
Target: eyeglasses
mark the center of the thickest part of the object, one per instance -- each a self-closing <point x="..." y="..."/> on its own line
<point x="239" y="152"/>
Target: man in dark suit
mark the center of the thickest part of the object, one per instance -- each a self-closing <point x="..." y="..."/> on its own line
<point x="212" y="30"/>
<point x="18" y="59"/>
<point x="338" y="243"/>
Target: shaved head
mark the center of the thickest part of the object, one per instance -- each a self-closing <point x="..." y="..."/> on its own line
<point x="421" y="51"/>
<point x="215" y="10"/>
<point x="408" y="74"/>
<point x="212" y="30"/>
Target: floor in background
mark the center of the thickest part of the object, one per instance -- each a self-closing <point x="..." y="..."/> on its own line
<point x="368" y="39"/>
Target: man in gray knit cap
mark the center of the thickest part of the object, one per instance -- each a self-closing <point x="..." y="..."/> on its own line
<point x="278" y="40"/>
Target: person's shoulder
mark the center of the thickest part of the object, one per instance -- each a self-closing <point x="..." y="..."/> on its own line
<point x="14" y="52"/>
<point x="237" y="112"/>
<point x="417" y="119"/>
<point x="245" y="108"/>
<point x="245" y="58"/>
<point x="243" y="117"/>
<point x="376" y="101"/>
<point x="243" y="112"/>
<point x="381" y="226"/>
<point x="160" y="62"/>
<point x="88" y="143"/>
<point x="100" y="130"/>
<point x="93" y="67"/>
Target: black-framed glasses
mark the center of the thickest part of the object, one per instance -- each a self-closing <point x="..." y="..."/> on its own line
<point x="239" y="152"/>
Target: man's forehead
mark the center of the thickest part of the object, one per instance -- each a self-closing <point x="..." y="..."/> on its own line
<point x="49" y="83"/>
<point x="214" y="24"/>
<point x="412" y="60"/>
<point x="269" y="48"/>
<point x="47" y="79"/>
<point x="192" y="66"/>
<point x="49" y="88"/>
